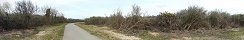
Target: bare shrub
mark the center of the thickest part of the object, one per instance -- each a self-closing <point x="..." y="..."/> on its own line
<point x="116" y="20"/>
<point x="218" y="19"/>
<point x="193" y="18"/>
<point x="165" y="21"/>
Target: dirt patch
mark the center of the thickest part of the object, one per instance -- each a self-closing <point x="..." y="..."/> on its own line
<point x="121" y="36"/>
<point x="16" y="34"/>
<point x="19" y="32"/>
<point x="41" y="33"/>
<point x="234" y="29"/>
<point x="174" y="39"/>
<point x="154" y="33"/>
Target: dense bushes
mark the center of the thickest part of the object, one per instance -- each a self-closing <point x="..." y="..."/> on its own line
<point x="134" y="21"/>
<point x="165" y="21"/>
<point x="95" y="20"/>
<point x="116" y="20"/>
<point x="24" y="16"/>
<point x="193" y="17"/>
<point x="70" y="20"/>
<point x="219" y="19"/>
<point x="238" y="19"/>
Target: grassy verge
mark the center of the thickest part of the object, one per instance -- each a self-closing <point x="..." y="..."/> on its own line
<point x="46" y="32"/>
<point x="97" y="31"/>
<point x="54" y="32"/>
<point x="235" y="35"/>
<point x="220" y="34"/>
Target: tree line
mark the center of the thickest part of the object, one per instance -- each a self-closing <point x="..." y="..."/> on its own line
<point x="26" y="15"/>
<point x="191" y="18"/>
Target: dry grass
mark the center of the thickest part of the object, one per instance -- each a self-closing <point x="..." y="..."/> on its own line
<point x="47" y="32"/>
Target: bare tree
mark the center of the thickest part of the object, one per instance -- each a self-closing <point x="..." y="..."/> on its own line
<point x="4" y="9"/>
<point x="26" y="9"/>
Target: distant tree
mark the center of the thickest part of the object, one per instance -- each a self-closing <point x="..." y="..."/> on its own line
<point x="50" y="15"/>
<point x="95" y="20"/>
<point x="47" y="16"/>
<point x="238" y="19"/>
<point x="48" y="12"/>
<point x="70" y="20"/>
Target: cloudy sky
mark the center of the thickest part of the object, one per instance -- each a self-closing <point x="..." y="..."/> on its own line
<point x="80" y="9"/>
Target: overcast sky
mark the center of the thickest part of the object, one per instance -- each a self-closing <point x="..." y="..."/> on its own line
<point x="80" y="9"/>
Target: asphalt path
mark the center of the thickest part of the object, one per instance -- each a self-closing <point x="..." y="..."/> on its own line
<point x="73" y="32"/>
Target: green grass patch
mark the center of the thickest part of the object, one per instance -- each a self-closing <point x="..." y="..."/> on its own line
<point x="54" y="32"/>
<point x="235" y="35"/>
